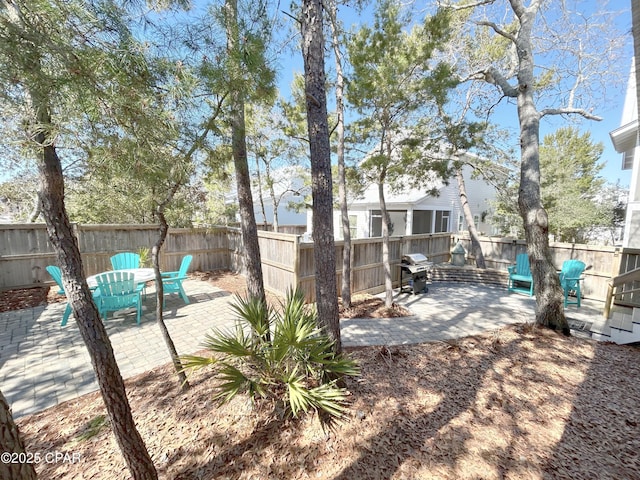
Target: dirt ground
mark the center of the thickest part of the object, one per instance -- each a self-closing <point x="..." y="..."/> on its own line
<point x="28" y="298"/>
<point x="519" y="403"/>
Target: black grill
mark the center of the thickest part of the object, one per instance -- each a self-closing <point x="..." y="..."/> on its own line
<point x="415" y="272"/>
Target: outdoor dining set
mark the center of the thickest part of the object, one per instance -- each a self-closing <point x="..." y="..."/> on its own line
<point x="124" y="286"/>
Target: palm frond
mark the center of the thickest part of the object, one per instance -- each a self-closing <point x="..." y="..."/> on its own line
<point x="329" y="398"/>
<point x="342" y="366"/>
<point x="298" y="394"/>
<point x="256" y="313"/>
<point x="233" y="382"/>
<point x="236" y="344"/>
<point x="195" y="362"/>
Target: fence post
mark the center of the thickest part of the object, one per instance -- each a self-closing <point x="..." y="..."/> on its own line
<point x="617" y="263"/>
<point x="296" y="262"/>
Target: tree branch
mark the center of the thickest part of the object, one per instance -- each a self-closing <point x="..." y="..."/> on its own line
<point x="569" y="111"/>
<point x="208" y="127"/>
<point x="333" y="129"/>
<point x="497" y="29"/>
<point x="490" y="109"/>
<point x="297" y="20"/>
<point x="456" y="8"/>
<point x="493" y="76"/>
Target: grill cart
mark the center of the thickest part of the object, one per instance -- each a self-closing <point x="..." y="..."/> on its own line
<point x="415" y="272"/>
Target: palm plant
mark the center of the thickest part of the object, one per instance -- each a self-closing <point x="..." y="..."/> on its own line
<point x="145" y="256"/>
<point x="279" y="355"/>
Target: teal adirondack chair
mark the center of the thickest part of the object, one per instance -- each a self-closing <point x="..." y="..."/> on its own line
<point x="118" y="290"/>
<point x="520" y="274"/>
<point x="570" y="277"/>
<point x="172" y="281"/>
<point x="56" y="274"/>
<point x="125" y="260"/>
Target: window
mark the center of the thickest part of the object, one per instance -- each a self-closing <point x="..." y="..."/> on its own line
<point x="353" y="225"/>
<point x="442" y="221"/>
<point x="376" y="224"/>
<point x="398" y="222"/>
<point x="627" y="159"/>
<point x="460" y="223"/>
<point x="422" y="221"/>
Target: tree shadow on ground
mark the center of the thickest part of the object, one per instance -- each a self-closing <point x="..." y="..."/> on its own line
<point x="600" y="438"/>
<point x="401" y="432"/>
<point x="505" y="405"/>
<point x="441" y="440"/>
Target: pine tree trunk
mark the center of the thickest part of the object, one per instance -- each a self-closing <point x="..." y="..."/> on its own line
<point x="85" y="312"/>
<point x="275" y="204"/>
<point x="260" y="194"/>
<point x="37" y="211"/>
<point x="388" y="284"/>
<point x="155" y="256"/>
<point x="321" y="182"/>
<point x="476" y="248"/>
<point x="342" y="183"/>
<point x="10" y="442"/>
<point x="253" y="262"/>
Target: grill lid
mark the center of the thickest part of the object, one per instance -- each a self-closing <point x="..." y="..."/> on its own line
<point x="414" y="259"/>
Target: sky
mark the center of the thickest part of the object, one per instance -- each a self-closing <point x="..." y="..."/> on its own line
<point x="506" y="114"/>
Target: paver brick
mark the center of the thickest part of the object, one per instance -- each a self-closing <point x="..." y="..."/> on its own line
<point x="42" y="363"/>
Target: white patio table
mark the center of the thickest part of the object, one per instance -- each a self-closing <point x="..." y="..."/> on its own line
<point x="140" y="275"/>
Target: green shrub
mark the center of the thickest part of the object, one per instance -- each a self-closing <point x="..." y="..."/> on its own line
<point x="281" y="356"/>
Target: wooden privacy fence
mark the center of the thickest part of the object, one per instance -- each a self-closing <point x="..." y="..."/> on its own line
<point x="603" y="262"/>
<point x="288" y="262"/>
<point x="25" y="250"/>
<point x="367" y="271"/>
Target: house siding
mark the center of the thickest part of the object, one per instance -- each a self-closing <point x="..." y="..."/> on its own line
<point x="479" y="192"/>
<point x="623" y="139"/>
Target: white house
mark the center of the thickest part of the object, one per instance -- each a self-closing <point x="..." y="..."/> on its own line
<point x="412" y="211"/>
<point x="286" y="215"/>
<point x="289" y="187"/>
<point x="625" y="141"/>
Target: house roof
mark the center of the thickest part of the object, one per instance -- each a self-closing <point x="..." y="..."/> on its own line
<point x="405" y="196"/>
<point x="625" y="138"/>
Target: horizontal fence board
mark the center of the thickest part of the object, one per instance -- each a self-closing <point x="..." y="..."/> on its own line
<point x="25" y="251"/>
<point x="603" y="262"/>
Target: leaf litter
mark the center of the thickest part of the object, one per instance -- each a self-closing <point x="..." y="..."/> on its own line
<point x="518" y="403"/>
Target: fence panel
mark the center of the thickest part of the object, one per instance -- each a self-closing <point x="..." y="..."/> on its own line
<point x="209" y="247"/>
<point x="98" y="243"/>
<point x="278" y="254"/>
<point x="25" y="252"/>
<point x="437" y="247"/>
<point x="367" y="270"/>
<point x="601" y="261"/>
